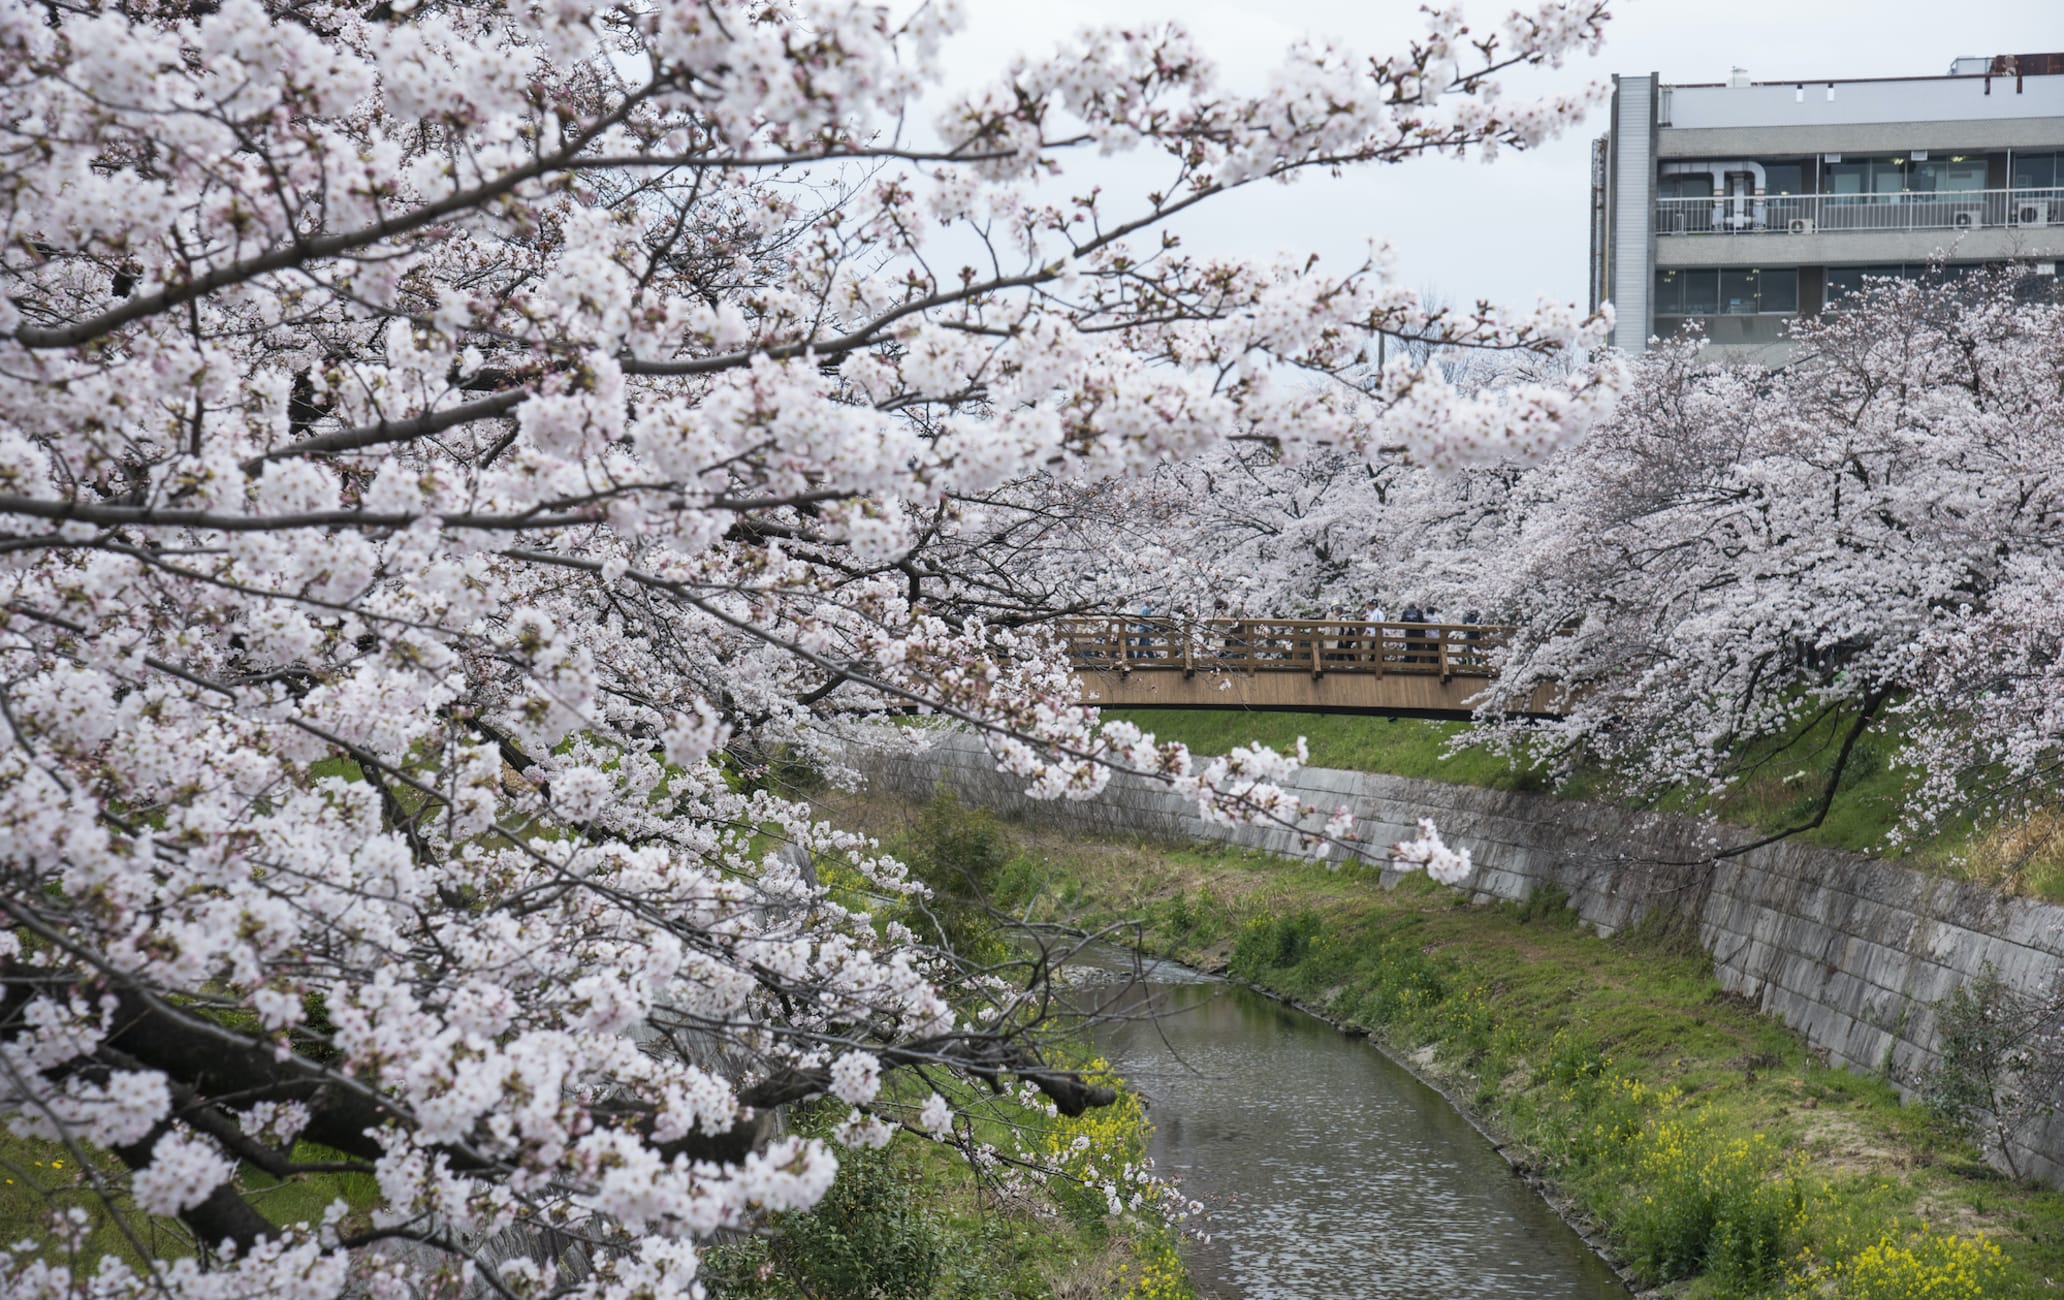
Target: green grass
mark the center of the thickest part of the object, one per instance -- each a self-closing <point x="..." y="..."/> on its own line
<point x="1781" y="785"/>
<point x="1777" y="788"/>
<point x="911" y="1222"/>
<point x="1614" y="1066"/>
<point x="40" y="1177"/>
<point x="1411" y="747"/>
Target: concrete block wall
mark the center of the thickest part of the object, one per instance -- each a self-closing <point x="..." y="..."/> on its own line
<point x="1852" y="953"/>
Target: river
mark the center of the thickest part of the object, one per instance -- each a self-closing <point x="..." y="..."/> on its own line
<point x="1328" y="1172"/>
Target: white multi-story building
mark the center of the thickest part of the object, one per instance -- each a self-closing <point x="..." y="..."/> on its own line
<point x="1743" y="206"/>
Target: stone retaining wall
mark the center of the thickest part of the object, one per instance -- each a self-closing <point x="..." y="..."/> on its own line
<point x="1850" y="952"/>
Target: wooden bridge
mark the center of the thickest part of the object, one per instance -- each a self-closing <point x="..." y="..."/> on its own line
<point x="1415" y="670"/>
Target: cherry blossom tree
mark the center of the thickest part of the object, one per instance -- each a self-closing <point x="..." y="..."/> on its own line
<point x="443" y="443"/>
<point x="1298" y="531"/>
<point x="1301" y="537"/>
<point x="1742" y="565"/>
<point x="1746" y="562"/>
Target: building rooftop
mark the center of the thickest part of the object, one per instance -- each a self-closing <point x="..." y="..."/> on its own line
<point x="1987" y="95"/>
<point x="1999" y="65"/>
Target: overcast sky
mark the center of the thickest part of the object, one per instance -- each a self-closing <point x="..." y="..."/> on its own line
<point x="1516" y="229"/>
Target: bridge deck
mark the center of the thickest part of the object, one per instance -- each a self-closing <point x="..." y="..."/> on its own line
<point x="1431" y="670"/>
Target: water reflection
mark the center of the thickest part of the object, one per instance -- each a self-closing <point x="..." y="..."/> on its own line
<point x="1328" y="1170"/>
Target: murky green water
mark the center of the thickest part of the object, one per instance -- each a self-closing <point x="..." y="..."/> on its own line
<point x="1329" y="1173"/>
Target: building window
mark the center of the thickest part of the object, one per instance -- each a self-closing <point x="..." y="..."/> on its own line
<point x="1733" y="178"/>
<point x="2038" y="171"/>
<point x="1738" y="292"/>
<point x="1784" y="178"/>
<point x="1892" y="174"/>
<point x="1733" y="291"/>
<point x="1951" y="175"/>
<point x="2040" y="287"/>
<point x="1687" y="293"/>
<point x="1843" y="281"/>
<point x="1696" y="185"/>
<point x="1857" y="178"/>
<point x="1779" y="291"/>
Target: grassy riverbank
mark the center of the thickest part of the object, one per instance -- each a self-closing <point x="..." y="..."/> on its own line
<point x="2024" y="857"/>
<point x="1701" y="1138"/>
<point x="912" y="1222"/>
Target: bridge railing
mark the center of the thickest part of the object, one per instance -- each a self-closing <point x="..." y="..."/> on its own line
<point x="1142" y="643"/>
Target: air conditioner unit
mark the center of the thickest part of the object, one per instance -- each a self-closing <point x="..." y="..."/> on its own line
<point x="1966" y="219"/>
<point x="2032" y="214"/>
<point x="1800" y="226"/>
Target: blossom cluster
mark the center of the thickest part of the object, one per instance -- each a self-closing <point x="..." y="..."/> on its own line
<point x="1429" y="853"/>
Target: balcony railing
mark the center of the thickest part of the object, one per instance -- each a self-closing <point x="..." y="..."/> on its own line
<point x="1806" y="214"/>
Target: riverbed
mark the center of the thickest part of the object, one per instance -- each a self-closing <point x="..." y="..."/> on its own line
<point x="1328" y="1171"/>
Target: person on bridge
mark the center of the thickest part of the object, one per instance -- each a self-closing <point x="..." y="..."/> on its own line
<point x="1332" y="644"/>
<point x="1413" y="614"/>
<point x="1472" y="633"/>
<point x="1380" y="636"/>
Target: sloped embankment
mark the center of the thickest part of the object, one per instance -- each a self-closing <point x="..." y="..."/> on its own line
<point x="1706" y="1143"/>
<point x="1855" y="954"/>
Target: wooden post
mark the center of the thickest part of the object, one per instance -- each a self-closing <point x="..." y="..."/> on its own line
<point x="1445" y="673"/>
<point x="1123" y="666"/>
<point x="1189" y="637"/>
<point x="1316" y="671"/>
